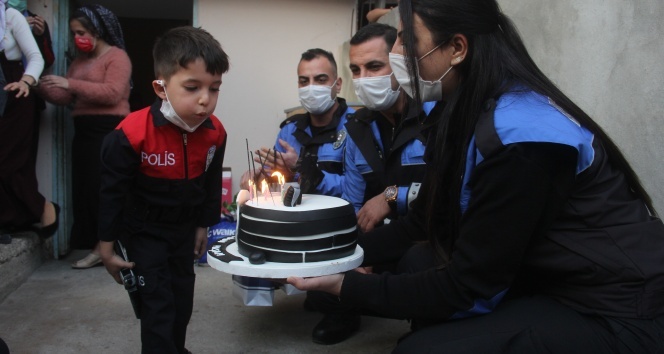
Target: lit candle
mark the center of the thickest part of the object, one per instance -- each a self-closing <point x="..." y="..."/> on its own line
<point x="280" y="177"/>
<point x="265" y="189"/>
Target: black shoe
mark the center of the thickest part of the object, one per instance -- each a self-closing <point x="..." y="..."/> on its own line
<point x="48" y="230"/>
<point x="335" y="328"/>
<point x="308" y="305"/>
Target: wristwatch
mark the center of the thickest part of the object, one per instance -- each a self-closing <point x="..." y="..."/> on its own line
<point x="390" y="194"/>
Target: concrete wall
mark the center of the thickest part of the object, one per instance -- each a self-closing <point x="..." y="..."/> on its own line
<point x="607" y="55"/>
<point x="264" y="40"/>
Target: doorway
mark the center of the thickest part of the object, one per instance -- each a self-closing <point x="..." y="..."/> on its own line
<point x="142" y="22"/>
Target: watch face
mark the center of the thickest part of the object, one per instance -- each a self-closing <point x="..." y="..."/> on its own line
<point x="391" y="193"/>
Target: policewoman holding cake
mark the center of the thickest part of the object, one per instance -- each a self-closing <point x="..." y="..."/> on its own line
<point x="537" y="234"/>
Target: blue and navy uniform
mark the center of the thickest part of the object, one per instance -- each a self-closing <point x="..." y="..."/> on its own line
<point x="158" y="184"/>
<point x="544" y="213"/>
<point x="370" y="168"/>
<point x="327" y="145"/>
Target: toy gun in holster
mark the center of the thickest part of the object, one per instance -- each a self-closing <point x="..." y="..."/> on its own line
<point x="129" y="280"/>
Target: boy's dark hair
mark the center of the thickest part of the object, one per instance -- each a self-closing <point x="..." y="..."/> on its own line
<point x="314" y="53"/>
<point x="180" y="46"/>
<point x="373" y="30"/>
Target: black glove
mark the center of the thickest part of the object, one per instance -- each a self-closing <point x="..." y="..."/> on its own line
<point x="310" y="174"/>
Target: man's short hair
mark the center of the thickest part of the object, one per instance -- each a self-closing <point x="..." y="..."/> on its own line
<point x="374" y="30"/>
<point x="314" y="53"/>
<point x="180" y="46"/>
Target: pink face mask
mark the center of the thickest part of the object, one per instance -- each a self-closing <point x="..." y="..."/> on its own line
<point x="84" y="44"/>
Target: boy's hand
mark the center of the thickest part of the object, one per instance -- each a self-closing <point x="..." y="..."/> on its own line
<point x="201" y="242"/>
<point x="113" y="262"/>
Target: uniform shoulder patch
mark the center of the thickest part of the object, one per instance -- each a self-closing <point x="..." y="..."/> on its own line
<point x="341" y="137"/>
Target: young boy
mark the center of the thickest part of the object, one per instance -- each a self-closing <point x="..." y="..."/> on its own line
<point x="161" y="184"/>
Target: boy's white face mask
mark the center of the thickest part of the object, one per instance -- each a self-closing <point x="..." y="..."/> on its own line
<point x="376" y="92"/>
<point x="317" y="99"/>
<point x="169" y="112"/>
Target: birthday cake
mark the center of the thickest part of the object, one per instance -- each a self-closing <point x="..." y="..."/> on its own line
<point x="320" y="228"/>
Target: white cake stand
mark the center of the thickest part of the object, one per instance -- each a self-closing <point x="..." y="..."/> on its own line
<point x="215" y="258"/>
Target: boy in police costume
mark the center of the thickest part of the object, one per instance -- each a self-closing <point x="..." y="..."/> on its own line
<point x="161" y="184"/>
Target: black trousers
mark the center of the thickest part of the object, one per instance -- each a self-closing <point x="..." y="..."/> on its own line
<point x="89" y="133"/>
<point x="21" y="203"/>
<point x="536" y="324"/>
<point x="164" y="257"/>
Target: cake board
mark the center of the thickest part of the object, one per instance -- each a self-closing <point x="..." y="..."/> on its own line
<point x="224" y="256"/>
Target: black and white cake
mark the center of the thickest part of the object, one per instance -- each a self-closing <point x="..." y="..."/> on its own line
<point x="321" y="228"/>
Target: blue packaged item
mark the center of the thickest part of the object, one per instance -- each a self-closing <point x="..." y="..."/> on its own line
<point x="225" y="228"/>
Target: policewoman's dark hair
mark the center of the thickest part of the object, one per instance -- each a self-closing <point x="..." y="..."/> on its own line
<point x="496" y="62"/>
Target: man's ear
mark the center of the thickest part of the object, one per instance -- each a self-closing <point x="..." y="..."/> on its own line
<point x="338" y="85"/>
<point x="158" y="86"/>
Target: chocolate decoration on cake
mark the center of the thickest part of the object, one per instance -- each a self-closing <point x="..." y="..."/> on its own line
<point x="257" y="258"/>
<point x="291" y="194"/>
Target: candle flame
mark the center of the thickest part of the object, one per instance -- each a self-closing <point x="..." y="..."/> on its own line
<point x="280" y="177"/>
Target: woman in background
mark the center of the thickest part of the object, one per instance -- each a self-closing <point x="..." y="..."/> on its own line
<point x="97" y="84"/>
<point x="21" y="204"/>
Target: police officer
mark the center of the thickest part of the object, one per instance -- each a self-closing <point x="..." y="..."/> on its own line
<point x="311" y="145"/>
<point x="383" y="175"/>
<point x="384" y="163"/>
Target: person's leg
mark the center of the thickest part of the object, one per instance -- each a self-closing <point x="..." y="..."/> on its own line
<point x="79" y="238"/>
<point x="21" y="203"/>
<point x="638" y="335"/>
<point x="182" y="281"/>
<point x="158" y="309"/>
<point x="338" y="323"/>
<point x="524" y="325"/>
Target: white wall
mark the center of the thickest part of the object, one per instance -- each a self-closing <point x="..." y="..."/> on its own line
<point x="45" y="154"/>
<point x="264" y="40"/>
<point x="607" y="56"/>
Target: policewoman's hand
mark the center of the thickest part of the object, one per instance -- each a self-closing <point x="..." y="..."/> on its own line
<point x="327" y="283"/>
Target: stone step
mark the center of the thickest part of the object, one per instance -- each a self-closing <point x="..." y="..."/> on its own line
<point x="20" y="258"/>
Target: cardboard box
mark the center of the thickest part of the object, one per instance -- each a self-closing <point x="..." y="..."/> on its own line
<point x="226" y="186"/>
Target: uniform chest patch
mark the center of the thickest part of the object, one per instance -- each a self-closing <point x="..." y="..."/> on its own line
<point x="341" y="136"/>
<point x="210" y="155"/>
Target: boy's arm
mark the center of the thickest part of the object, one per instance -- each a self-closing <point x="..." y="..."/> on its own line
<point x="211" y="208"/>
<point x="119" y="164"/>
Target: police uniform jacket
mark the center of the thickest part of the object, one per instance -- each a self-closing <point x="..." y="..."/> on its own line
<point x="543" y="212"/>
<point x="328" y="145"/>
<point x="369" y="169"/>
<point x="158" y="172"/>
